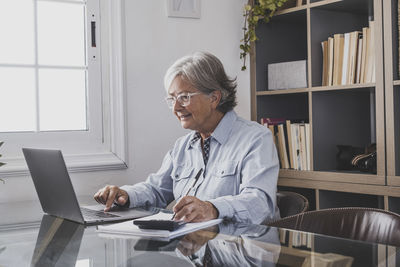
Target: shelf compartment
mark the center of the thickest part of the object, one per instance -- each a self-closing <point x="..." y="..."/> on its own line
<point x="321" y="28"/>
<point x="395" y="39"/>
<point x="334" y="199"/>
<point x="364" y="7"/>
<point x="396" y="116"/>
<point x="308" y="193"/>
<point x="341" y="118"/>
<point x="288" y="106"/>
<point x="283" y="39"/>
<point x="394" y="204"/>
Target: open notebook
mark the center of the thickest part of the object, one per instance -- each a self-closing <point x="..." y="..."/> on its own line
<point x="128" y="228"/>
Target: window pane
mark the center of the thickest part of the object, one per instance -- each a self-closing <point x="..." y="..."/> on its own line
<point x="62" y="99"/>
<point x="61" y="33"/>
<point x="16" y="31"/>
<point x="17" y="99"/>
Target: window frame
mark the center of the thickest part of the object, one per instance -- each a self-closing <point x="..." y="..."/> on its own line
<point x="109" y="151"/>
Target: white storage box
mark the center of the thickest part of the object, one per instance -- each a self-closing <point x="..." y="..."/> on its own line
<point x="287" y="75"/>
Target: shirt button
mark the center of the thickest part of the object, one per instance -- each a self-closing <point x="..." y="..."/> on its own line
<point x="222" y="172"/>
<point x="176" y="175"/>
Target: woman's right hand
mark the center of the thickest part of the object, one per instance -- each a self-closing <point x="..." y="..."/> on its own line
<point x="111" y="194"/>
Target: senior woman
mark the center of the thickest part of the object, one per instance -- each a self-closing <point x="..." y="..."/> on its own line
<point x="226" y="167"/>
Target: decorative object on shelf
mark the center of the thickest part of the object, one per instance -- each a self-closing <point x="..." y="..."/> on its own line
<point x="366" y="162"/>
<point x="184" y="8"/>
<point x="255" y="11"/>
<point x="287" y="75"/>
<point x="1" y="163"/>
<point x="345" y="156"/>
<point x="356" y="158"/>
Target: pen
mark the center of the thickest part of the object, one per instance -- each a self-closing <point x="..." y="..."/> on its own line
<point x="194" y="183"/>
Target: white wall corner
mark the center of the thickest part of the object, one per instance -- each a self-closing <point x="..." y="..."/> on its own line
<point x="117" y="79"/>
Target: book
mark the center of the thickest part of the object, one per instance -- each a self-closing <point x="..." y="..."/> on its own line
<point x="290" y="144"/>
<point x="303" y="153"/>
<point x="282" y="147"/>
<point x="127" y="228"/>
<point x="338" y="42"/>
<point x="364" y="54"/>
<point x="271" y="128"/>
<point x="359" y="58"/>
<point x="346" y="48"/>
<point x="272" y="121"/>
<point x="370" y="54"/>
<point x="352" y="57"/>
<point x="330" y="61"/>
<point x="296" y="144"/>
<point x="324" y="46"/>
<point x="308" y="146"/>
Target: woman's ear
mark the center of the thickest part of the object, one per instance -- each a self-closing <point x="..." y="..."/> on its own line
<point x="216" y="98"/>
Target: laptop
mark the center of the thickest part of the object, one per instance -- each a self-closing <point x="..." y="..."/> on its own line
<point x="57" y="196"/>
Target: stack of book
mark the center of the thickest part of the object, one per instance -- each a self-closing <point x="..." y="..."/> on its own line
<point x="349" y="58"/>
<point x="293" y="142"/>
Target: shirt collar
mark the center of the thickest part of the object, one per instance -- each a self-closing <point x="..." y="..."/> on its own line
<point x="224" y="128"/>
<point x="220" y="133"/>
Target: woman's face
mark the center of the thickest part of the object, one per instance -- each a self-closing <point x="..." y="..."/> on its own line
<point x="199" y="113"/>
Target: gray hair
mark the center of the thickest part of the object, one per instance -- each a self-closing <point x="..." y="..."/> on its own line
<point x="206" y="73"/>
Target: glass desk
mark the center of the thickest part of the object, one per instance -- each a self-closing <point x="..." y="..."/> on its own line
<point x="58" y="242"/>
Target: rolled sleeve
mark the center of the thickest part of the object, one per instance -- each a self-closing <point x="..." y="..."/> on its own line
<point x="156" y="191"/>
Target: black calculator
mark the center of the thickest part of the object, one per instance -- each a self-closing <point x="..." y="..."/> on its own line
<point x="169" y="225"/>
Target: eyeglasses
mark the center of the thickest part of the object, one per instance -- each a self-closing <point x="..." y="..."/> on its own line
<point x="183" y="99"/>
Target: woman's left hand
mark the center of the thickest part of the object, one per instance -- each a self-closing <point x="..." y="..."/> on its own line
<point x="192" y="209"/>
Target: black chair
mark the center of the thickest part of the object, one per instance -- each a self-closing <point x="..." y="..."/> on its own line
<point x="291" y="203"/>
<point x="363" y="224"/>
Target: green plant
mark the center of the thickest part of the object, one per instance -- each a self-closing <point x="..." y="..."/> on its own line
<point x="255" y="11"/>
<point x="1" y="163"/>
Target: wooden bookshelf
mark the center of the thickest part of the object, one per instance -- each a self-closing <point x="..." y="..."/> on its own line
<point x="392" y="91"/>
<point x="357" y="114"/>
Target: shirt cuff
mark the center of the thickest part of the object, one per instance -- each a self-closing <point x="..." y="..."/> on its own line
<point x="133" y="201"/>
<point x="224" y="209"/>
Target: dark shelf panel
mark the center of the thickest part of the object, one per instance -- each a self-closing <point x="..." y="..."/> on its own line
<point x="341" y="118"/>
<point x="363" y="7"/>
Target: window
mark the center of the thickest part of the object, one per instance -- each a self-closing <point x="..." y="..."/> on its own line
<point x="54" y="91"/>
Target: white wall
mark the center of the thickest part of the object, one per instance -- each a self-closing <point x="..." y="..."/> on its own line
<point x="153" y="43"/>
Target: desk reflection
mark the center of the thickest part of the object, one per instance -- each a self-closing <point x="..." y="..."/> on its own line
<point x="234" y="245"/>
<point x="58" y="243"/>
<point x="221" y="245"/>
<point x="61" y="243"/>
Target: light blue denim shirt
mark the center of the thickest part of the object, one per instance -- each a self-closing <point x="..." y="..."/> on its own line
<point x="240" y="178"/>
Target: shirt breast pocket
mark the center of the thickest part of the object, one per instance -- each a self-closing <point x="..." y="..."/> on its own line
<point x="181" y="175"/>
<point x="225" y="179"/>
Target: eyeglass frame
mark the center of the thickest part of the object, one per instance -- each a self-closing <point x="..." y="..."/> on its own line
<point x="171" y="100"/>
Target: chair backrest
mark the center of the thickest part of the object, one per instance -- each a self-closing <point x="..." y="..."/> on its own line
<point x="364" y="224"/>
<point x="291" y="203"/>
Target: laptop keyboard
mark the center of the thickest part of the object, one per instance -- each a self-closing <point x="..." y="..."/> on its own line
<point x="94" y="214"/>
